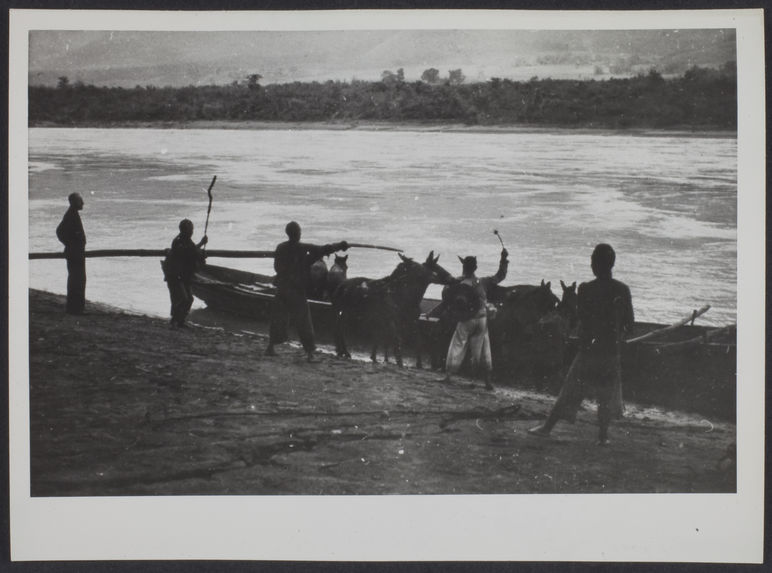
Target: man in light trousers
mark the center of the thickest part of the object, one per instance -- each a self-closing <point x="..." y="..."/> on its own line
<point x="471" y="332"/>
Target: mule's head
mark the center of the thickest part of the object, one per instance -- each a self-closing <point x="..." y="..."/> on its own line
<point x="421" y="273"/>
<point x="438" y="273"/>
<point x="341" y="262"/>
<point x="544" y="299"/>
<point x="568" y="303"/>
<point x="569" y="295"/>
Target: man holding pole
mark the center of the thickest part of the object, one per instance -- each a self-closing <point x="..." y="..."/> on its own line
<point x="179" y="268"/>
<point x="292" y="261"/>
<point x="605" y="316"/>
<point x="70" y="232"/>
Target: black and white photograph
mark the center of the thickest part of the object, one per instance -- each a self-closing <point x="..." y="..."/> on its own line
<point x="421" y="283"/>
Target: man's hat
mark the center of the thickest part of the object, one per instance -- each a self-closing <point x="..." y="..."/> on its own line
<point x="468" y="262"/>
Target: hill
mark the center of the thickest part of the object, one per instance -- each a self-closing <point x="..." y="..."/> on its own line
<point x="176" y="59"/>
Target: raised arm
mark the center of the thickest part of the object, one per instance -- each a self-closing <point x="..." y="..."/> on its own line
<point x="316" y="252"/>
<point x="501" y="274"/>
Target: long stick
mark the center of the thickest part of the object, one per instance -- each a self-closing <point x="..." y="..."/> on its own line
<point x="495" y="232"/>
<point x="673" y="326"/>
<point x="209" y="209"/>
<point x="365" y="246"/>
<point x="156" y="253"/>
<point x="226" y="253"/>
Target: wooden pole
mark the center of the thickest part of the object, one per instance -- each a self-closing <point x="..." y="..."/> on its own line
<point x="680" y="323"/>
<point x="157" y="253"/>
<point x="365" y="246"/>
<point x="224" y="253"/>
<point x="209" y="209"/>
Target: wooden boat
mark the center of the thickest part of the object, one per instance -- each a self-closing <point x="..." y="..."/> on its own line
<point x="684" y="367"/>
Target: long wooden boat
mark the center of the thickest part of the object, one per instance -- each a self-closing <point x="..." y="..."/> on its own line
<point x="686" y="367"/>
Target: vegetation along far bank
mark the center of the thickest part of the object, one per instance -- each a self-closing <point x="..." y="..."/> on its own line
<point x="702" y="99"/>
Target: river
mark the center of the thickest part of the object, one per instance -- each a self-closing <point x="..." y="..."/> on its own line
<point x="666" y="202"/>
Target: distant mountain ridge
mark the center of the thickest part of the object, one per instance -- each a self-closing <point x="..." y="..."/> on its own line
<point x="127" y="59"/>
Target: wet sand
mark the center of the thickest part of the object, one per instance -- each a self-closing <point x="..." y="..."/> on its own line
<point x="122" y="404"/>
<point x="428" y="126"/>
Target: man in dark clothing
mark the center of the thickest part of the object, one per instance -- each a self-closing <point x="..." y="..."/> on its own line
<point x="292" y="261"/>
<point x="605" y="317"/>
<point x="179" y="268"/>
<point x="70" y="233"/>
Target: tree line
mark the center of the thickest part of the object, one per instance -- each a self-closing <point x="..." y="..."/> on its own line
<point x="701" y="98"/>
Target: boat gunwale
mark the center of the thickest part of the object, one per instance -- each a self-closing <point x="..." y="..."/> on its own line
<point x="207" y="276"/>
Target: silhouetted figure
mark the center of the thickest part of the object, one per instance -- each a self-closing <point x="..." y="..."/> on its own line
<point x="179" y="267"/>
<point x="292" y="262"/>
<point x="337" y="274"/>
<point x="468" y="299"/>
<point x="605" y="311"/>
<point x="70" y="233"/>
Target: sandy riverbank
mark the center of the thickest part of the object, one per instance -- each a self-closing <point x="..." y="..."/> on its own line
<point x="123" y="405"/>
<point x="427" y="126"/>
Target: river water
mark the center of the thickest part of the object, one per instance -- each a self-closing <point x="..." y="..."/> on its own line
<point x="667" y="203"/>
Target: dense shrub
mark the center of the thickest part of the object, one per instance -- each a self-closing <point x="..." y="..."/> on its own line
<point x="701" y="98"/>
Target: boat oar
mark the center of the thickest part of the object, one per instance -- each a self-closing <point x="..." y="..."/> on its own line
<point x="680" y="323"/>
<point x="382" y="248"/>
<point x="156" y="253"/>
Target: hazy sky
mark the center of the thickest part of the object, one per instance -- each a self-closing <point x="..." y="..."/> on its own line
<point x="181" y="58"/>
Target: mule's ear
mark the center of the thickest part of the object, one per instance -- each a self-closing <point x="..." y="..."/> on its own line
<point x="573" y="285"/>
<point x="430" y="258"/>
<point x="403" y="257"/>
<point x="548" y="283"/>
<point x="460" y="260"/>
<point x="562" y="284"/>
<point x="542" y="282"/>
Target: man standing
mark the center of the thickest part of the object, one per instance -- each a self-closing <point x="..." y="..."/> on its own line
<point x="70" y="233"/>
<point x="605" y="311"/>
<point x="472" y="328"/>
<point x="179" y="268"/>
<point x="292" y="261"/>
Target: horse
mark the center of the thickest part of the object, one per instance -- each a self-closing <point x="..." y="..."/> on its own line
<point x="551" y="339"/>
<point x="388" y="307"/>
<point x="568" y="307"/>
<point x="317" y="280"/>
<point x="522" y="328"/>
<point x="336" y="274"/>
<point x="514" y="313"/>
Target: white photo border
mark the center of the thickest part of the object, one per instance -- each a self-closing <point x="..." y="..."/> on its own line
<point x="714" y="528"/>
